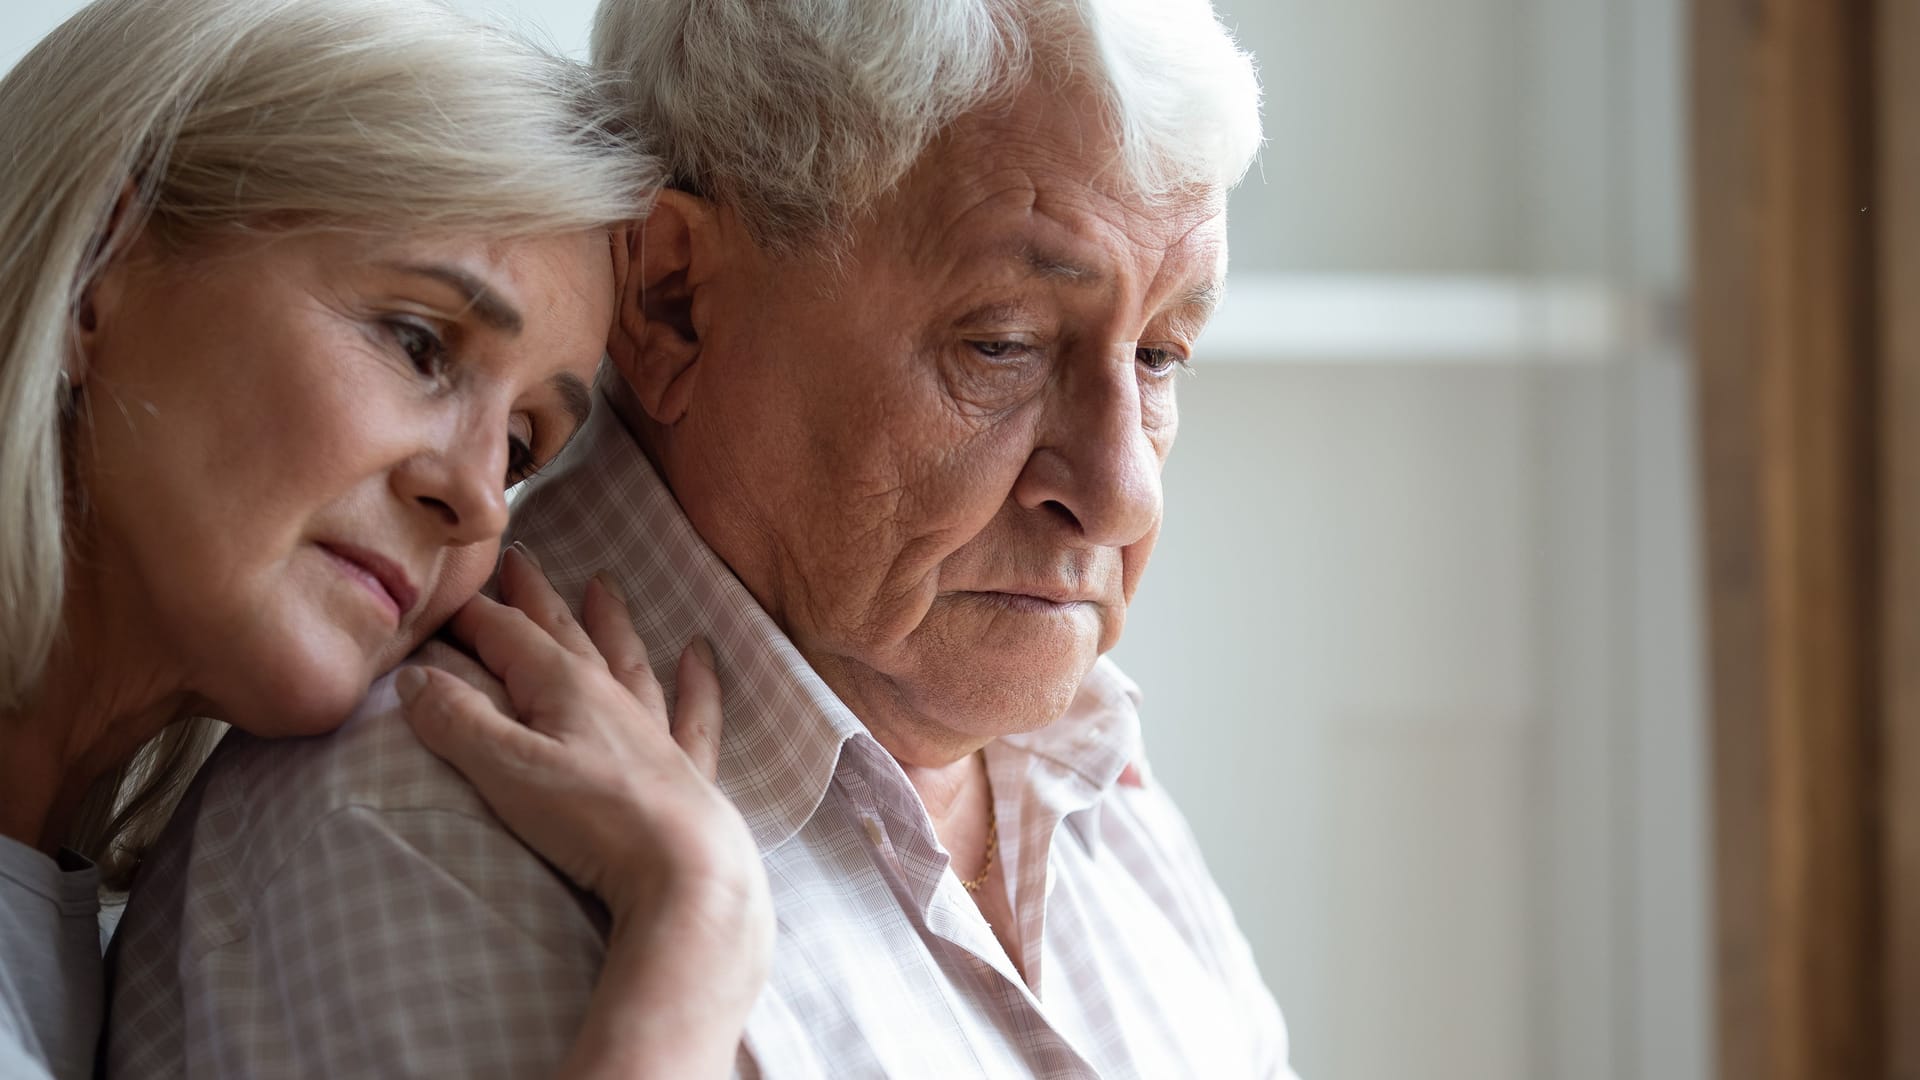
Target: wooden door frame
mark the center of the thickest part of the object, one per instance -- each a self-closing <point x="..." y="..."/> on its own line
<point x="1897" y="35"/>
<point x="1787" y="340"/>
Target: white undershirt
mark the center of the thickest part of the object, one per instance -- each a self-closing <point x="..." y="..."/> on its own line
<point x="51" y="994"/>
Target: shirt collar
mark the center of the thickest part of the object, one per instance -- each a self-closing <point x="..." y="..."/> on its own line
<point x="1090" y="746"/>
<point x="1100" y="732"/>
<point x="602" y="508"/>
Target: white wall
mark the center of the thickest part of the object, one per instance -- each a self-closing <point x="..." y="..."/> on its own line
<point x="28" y="21"/>
<point x="1421" y="641"/>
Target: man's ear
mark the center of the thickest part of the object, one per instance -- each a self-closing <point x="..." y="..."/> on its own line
<point x="656" y="338"/>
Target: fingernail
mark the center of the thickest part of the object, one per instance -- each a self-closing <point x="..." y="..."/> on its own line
<point x="703" y="652"/>
<point x="527" y="554"/>
<point x="410" y="681"/>
<point x="606" y="582"/>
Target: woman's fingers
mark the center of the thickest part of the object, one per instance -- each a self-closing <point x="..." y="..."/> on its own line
<point x="597" y="787"/>
<point x="525" y="586"/>
<point x="696" y="714"/>
<point x="609" y="624"/>
<point x="524" y="646"/>
<point x="525" y="658"/>
<point x="461" y="725"/>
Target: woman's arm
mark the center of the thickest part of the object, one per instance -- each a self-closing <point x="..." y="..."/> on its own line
<point x="597" y="779"/>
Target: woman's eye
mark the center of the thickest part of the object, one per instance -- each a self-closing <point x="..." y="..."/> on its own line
<point x="423" y="348"/>
<point x="521" y="464"/>
<point x="1160" y="361"/>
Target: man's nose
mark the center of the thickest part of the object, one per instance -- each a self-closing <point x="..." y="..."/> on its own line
<point x="461" y="483"/>
<point x="1095" y="463"/>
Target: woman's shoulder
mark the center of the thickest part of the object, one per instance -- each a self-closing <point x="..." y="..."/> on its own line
<point x="67" y="886"/>
<point x="50" y="974"/>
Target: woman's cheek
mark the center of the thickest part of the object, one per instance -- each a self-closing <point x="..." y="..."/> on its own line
<point x="466" y="569"/>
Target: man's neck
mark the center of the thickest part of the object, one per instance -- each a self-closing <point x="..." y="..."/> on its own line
<point x="647" y="433"/>
<point x="946" y="790"/>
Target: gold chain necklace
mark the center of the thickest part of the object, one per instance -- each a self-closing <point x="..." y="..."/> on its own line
<point x="973" y="885"/>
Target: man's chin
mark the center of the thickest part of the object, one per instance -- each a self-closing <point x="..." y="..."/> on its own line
<point x="996" y="700"/>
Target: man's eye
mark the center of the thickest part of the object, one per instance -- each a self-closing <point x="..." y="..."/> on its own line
<point x="1001" y="351"/>
<point x="1160" y="361"/>
<point x="423" y="348"/>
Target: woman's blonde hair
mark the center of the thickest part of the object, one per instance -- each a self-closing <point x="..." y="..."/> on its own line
<point x="266" y="116"/>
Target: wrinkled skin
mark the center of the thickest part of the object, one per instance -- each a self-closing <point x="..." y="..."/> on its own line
<point x="937" y="465"/>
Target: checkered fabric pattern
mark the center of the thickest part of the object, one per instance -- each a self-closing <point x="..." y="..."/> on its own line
<point x="345" y="906"/>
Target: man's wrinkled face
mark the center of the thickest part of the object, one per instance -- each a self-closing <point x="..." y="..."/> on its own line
<point x="938" y="466"/>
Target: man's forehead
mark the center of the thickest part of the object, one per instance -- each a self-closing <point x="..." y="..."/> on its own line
<point x="1009" y="192"/>
<point x="1051" y="143"/>
<point x="1179" y="259"/>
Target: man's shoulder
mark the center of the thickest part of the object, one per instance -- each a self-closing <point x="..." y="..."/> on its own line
<point x="372" y="762"/>
<point x="359" y="854"/>
<point x="319" y="817"/>
<point x="258" y="801"/>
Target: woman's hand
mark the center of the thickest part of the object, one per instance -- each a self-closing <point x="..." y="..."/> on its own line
<point x="596" y="778"/>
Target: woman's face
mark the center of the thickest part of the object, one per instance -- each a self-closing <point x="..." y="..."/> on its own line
<point x="296" y="451"/>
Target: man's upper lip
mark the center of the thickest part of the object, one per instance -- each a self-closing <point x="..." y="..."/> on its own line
<point x="391" y="575"/>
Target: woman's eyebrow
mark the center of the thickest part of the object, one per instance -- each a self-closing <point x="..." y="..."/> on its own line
<point x="481" y="300"/>
<point x="575" y="397"/>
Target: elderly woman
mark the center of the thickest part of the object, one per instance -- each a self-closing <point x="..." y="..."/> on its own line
<point x="290" y="292"/>
<point x="894" y="378"/>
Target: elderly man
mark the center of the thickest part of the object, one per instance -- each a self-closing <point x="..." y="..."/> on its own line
<point x="892" y="385"/>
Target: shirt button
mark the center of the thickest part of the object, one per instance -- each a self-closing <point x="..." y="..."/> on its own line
<point x="873" y="831"/>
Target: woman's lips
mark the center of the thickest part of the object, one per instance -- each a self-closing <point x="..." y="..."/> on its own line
<point x="380" y="576"/>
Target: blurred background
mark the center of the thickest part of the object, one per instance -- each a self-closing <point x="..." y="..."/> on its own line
<point x="1422" y="644"/>
<point x="1423" y="641"/>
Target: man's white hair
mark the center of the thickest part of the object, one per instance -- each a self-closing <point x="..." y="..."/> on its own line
<point x="798" y="114"/>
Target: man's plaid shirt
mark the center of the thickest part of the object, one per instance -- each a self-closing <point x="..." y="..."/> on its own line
<point x="346" y="906"/>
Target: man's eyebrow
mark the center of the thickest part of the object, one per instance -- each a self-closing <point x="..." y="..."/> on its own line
<point x="575" y="397"/>
<point x="1202" y="299"/>
<point x="1058" y="267"/>
<point x="481" y="300"/>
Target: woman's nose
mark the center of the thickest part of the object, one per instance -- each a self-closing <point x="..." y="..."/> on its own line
<point x="462" y="485"/>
